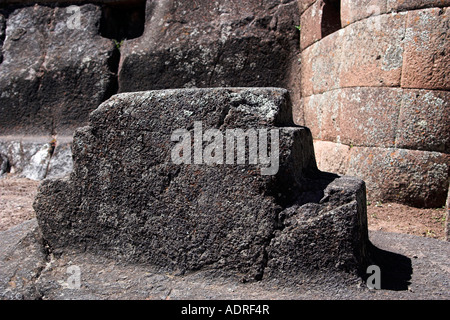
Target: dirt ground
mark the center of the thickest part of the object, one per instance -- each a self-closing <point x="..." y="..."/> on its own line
<point x="17" y="195"/>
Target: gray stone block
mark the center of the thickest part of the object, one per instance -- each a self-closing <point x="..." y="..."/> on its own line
<point x="127" y="198"/>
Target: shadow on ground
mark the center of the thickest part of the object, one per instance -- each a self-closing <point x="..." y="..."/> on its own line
<point x="396" y="269"/>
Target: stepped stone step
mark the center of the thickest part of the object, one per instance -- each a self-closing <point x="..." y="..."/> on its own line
<point x="156" y="181"/>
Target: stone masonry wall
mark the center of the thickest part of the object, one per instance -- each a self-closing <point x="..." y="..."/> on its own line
<point x="375" y="93"/>
<point x="372" y="84"/>
<point x="54" y="74"/>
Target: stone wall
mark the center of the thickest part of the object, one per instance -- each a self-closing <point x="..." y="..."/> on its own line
<point x="375" y="93"/>
<point x="372" y="84"/>
<point x="55" y="73"/>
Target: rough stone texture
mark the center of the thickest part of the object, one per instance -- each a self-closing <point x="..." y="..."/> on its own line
<point x="320" y="64"/>
<point x="61" y="163"/>
<point x="21" y="153"/>
<point x="418" y="178"/>
<point x="197" y="216"/>
<point x="424" y="121"/>
<point x="360" y="55"/>
<point x="413" y="268"/>
<point x="355" y="10"/>
<point x="304" y="4"/>
<point x="210" y="44"/>
<point x="37" y="158"/>
<point x="37" y="166"/>
<point x="4" y="164"/>
<point x="309" y="228"/>
<point x="354" y="116"/>
<point x="381" y="117"/>
<point x="22" y="258"/>
<point x="372" y="57"/>
<point x="311" y="24"/>
<point x="397" y="5"/>
<point x="447" y="221"/>
<point x="74" y="2"/>
<point x="2" y="35"/>
<point x="53" y="76"/>
<point x="427" y="53"/>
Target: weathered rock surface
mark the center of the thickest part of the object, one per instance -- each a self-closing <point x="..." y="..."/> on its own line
<point x="2" y="35"/>
<point x="22" y="258"/>
<point x="362" y="55"/>
<point x="54" y="72"/>
<point x="390" y="174"/>
<point x="402" y="175"/>
<point x="36" y="157"/>
<point x="22" y="253"/>
<point x="447" y="221"/>
<point x="127" y="199"/>
<point x="427" y="53"/>
<point x="211" y="44"/>
<point x="354" y="10"/>
<point x="381" y="117"/>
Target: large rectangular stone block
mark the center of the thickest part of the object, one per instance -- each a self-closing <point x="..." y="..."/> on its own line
<point x="427" y="50"/>
<point x="54" y="72"/>
<point x="397" y="5"/>
<point x="311" y="25"/>
<point x="321" y="63"/>
<point x="211" y="44"/>
<point x="321" y="114"/>
<point x="355" y="116"/>
<point x="373" y="52"/>
<point x="418" y="178"/>
<point x="424" y="121"/>
<point x="332" y="157"/>
<point x="355" y="10"/>
<point x="368" y="53"/>
<point x="129" y="199"/>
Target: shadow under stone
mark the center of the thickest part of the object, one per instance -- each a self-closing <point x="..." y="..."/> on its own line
<point x="396" y="269"/>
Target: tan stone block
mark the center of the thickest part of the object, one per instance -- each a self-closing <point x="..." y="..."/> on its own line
<point x="322" y="114"/>
<point x="367" y="53"/>
<point x="355" y="116"/>
<point x="427" y="50"/>
<point x="298" y="113"/>
<point x="424" y="121"/>
<point x="355" y="10"/>
<point x="418" y="178"/>
<point x="368" y="116"/>
<point x="373" y="52"/>
<point x="397" y="5"/>
<point x="311" y="25"/>
<point x="320" y="65"/>
<point x="304" y="4"/>
<point x="331" y="157"/>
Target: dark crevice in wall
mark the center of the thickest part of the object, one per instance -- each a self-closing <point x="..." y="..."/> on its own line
<point x="113" y="66"/>
<point x="123" y="20"/>
<point x="331" y="19"/>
